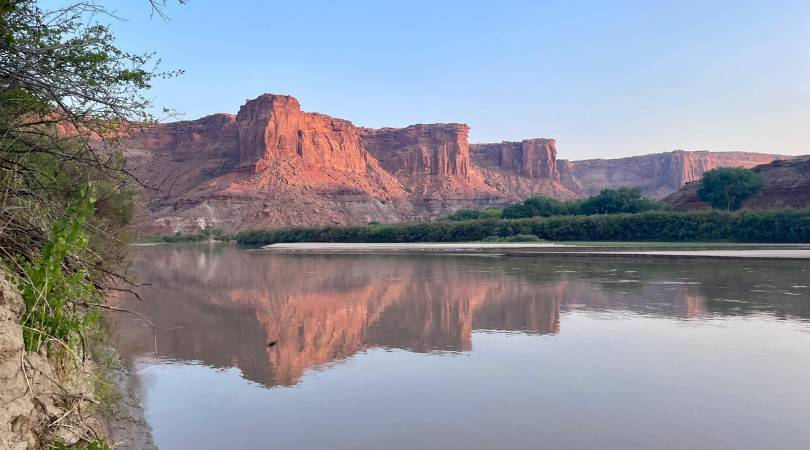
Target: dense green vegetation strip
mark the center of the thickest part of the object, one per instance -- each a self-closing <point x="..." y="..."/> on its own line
<point x="779" y="226"/>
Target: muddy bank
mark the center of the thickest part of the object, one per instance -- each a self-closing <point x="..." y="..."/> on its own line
<point x="68" y="399"/>
<point x="44" y="402"/>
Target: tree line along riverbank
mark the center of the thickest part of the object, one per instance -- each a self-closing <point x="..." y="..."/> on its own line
<point x="770" y="226"/>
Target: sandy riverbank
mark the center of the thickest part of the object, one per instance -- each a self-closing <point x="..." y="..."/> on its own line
<point x="428" y="247"/>
<point x="538" y="249"/>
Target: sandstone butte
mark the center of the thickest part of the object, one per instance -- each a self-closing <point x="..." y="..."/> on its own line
<point x="274" y="165"/>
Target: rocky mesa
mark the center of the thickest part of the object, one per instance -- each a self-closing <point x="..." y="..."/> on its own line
<point x="270" y="165"/>
<point x="273" y="164"/>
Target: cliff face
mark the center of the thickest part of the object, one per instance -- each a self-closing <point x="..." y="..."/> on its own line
<point x="522" y="169"/>
<point x="433" y="164"/>
<point x="439" y="149"/>
<point x="271" y="165"/>
<point x="274" y="165"/>
<point x="656" y="175"/>
<point x="786" y="183"/>
<point x="273" y="127"/>
<point x="177" y="157"/>
<point x="533" y="158"/>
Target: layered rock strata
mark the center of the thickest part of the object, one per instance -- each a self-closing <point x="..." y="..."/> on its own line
<point x="274" y="165"/>
<point x="657" y="175"/>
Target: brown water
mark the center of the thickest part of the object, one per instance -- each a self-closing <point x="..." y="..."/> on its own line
<point x="457" y="352"/>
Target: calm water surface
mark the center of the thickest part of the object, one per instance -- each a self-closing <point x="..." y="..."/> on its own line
<point x="458" y="352"/>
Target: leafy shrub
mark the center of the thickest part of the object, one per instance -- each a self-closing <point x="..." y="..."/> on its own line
<point x="471" y="214"/>
<point x="206" y="234"/>
<point x="536" y="206"/>
<point x="53" y="285"/>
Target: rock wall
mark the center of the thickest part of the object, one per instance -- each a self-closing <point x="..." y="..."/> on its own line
<point x="270" y="165"/>
<point x="657" y="175"/>
<point x="438" y="149"/>
<point x="533" y="158"/>
<point x="273" y="127"/>
<point x="518" y="170"/>
<point x="433" y="164"/>
<point x="274" y="165"/>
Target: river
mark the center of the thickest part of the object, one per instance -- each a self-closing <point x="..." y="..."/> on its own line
<point x="287" y="351"/>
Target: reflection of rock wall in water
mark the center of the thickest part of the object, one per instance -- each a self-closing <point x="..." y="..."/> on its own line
<point x="223" y="307"/>
<point x="224" y="310"/>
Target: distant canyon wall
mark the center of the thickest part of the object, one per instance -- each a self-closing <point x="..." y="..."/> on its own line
<point x="274" y="165"/>
<point x="657" y="175"/>
<point x="786" y="183"/>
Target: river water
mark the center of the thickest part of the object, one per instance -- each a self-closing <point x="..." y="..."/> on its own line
<point x="286" y="351"/>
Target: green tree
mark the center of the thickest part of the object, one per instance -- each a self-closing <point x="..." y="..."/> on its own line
<point x="492" y="213"/>
<point x="727" y="187"/>
<point x="615" y="201"/>
<point x="545" y="206"/>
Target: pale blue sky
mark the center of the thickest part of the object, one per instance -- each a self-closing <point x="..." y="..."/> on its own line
<point x="605" y="78"/>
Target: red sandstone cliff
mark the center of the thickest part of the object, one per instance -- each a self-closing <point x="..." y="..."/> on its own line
<point x="271" y="165"/>
<point x="519" y="170"/>
<point x="275" y="165"/>
<point x="433" y="163"/>
<point x="273" y="128"/>
<point x="438" y="149"/>
<point x="533" y="158"/>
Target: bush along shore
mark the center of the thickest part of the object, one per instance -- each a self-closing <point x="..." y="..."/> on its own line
<point x="205" y="235"/>
<point x="774" y="226"/>
<point x="68" y="95"/>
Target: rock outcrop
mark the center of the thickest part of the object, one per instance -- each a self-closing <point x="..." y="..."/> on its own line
<point x="786" y="184"/>
<point x="270" y="165"/>
<point x="434" y="165"/>
<point x="181" y="156"/>
<point x="518" y="170"/>
<point x="274" y="165"/>
<point x="439" y="149"/>
<point x="273" y="127"/>
<point x="657" y="175"/>
<point x="533" y="158"/>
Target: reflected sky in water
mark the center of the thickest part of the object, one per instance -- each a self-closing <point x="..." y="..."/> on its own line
<point x="438" y="351"/>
